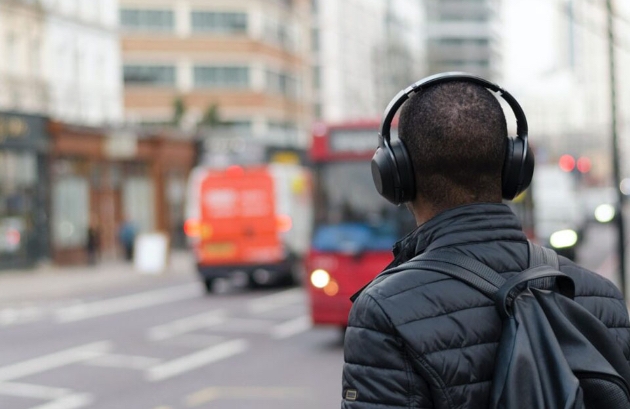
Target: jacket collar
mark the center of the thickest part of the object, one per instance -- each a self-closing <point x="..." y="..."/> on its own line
<point x="479" y="222"/>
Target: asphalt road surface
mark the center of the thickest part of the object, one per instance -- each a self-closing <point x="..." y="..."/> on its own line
<point x="131" y="342"/>
<point x="165" y="344"/>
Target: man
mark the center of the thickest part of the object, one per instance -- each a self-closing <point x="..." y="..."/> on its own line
<point x="420" y="339"/>
<point x="127" y="238"/>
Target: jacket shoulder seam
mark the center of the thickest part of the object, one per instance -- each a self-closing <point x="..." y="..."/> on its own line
<point x="376" y="367"/>
<point x="448" y="313"/>
<point x="464" y="347"/>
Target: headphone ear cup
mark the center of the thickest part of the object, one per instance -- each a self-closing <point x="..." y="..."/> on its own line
<point x="383" y="174"/>
<point x="404" y="165"/>
<point x="392" y="173"/>
<point x="518" y="168"/>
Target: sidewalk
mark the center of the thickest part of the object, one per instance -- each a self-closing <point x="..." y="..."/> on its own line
<point x="50" y="281"/>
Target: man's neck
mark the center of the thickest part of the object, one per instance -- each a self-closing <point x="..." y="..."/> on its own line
<point x="424" y="211"/>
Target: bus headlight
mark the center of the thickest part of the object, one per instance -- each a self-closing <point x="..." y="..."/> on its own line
<point x="320" y="278"/>
<point x="604" y="213"/>
<point x="563" y="239"/>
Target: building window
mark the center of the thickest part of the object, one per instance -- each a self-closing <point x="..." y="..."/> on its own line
<point x="35" y="57"/>
<point x="282" y="132"/>
<point x="149" y="74"/>
<point x="281" y="33"/>
<point x="482" y="42"/>
<point x="317" y="77"/>
<point x="221" y="77"/>
<point x="282" y="83"/>
<point x="18" y="206"/>
<point x="315" y="39"/>
<point x="138" y="200"/>
<point x="70" y="203"/>
<point x="462" y="65"/>
<point x="458" y="16"/>
<point x="219" y="22"/>
<point x="240" y="127"/>
<point x="319" y="112"/>
<point x="147" y="20"/>
<point x="11" y="53"/>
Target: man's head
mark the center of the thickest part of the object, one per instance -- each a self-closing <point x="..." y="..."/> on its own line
<point x="456" y="135"/>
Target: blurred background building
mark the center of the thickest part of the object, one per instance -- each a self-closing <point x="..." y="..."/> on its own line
<point x="565" y="90"/>
<point x="61" y="59"/>
<point x="94" y="93"/>
<point x="240" y="64"/>
<point x="80" y="61"/>
<point x="364" y="52"/>
<point x="21" y="75"/>
<point x="465" y="35"/>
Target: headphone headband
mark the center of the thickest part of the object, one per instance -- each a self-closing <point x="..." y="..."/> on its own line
<point x="392" y="167"/>
<point x="405" y="94"/>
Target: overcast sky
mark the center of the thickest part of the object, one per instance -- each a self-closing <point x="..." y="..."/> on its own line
<point x="529" y="38"/>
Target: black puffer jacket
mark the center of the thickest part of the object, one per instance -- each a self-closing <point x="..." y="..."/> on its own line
<point x="419" y="339"/>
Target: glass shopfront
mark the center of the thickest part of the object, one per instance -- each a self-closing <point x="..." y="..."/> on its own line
<point x="23" y="190"/>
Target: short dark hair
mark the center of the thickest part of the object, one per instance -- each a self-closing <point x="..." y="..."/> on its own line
<point x="455" y="133"/>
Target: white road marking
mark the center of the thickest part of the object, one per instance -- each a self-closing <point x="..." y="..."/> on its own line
<point x="292" y="327"/>
<point x="254" y="393"/>
<point x="196" y="340"/>
<point x="247" y="325"/>
<point x="124" y="361"/>
<point x="26" y="390"/>
<point x="196" y="360"/>
<point x="128" y="303"/>
<point x="184" y="325"/>
<point x="278" y="300"/>
<point x="54" y="360"/>
<point x="10" y="316"/>
<point x="77" y="400"/>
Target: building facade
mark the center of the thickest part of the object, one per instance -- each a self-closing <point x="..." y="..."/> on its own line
<point x="561" y="76"/>
<point x="24" y="189"/>
<point x="464" y="35"/>
<point x="61" y="58"/>
<point x="102" y="178"/>
<point x="243" y="63"/>
<point x="364" y="52"/>
<point x="21" y="75"/>
<point x="80" y="61"/>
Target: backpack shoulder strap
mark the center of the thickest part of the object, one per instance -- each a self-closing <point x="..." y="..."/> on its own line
<point x="457" y="266"/>
<point x="539" y="256"/>
<point x="479" y="275"/>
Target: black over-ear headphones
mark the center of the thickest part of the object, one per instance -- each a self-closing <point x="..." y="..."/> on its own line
<point x="392" y="169"/>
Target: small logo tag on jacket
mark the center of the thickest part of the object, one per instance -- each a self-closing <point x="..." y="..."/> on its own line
<point x="351" y="394"/>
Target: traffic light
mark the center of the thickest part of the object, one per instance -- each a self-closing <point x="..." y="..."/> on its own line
<point x="567" y="163"/>
<point x="584" y="164"/>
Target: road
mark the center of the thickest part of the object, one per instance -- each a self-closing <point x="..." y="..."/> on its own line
<point x="119" y="340"/>
<point x="162" y="343"/>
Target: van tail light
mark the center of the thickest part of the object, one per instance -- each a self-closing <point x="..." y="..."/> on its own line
<point x="284" y="223"/>
<point x="192" y="228"/>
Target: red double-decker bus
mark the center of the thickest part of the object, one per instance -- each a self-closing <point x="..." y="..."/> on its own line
<point x="354" y="228"/>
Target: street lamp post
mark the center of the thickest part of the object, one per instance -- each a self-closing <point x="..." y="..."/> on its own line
<point x="621" y="239"/>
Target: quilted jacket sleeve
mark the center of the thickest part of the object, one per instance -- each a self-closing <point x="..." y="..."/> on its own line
<point x="377" y="371"/>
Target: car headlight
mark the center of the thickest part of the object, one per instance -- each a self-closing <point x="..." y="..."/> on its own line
<point x="604" y="213"/>
<point x="320" y="278"/>
<point x="563" y="239"/>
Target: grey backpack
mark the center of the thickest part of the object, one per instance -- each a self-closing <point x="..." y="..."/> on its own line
<point x="553" y="353"/>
